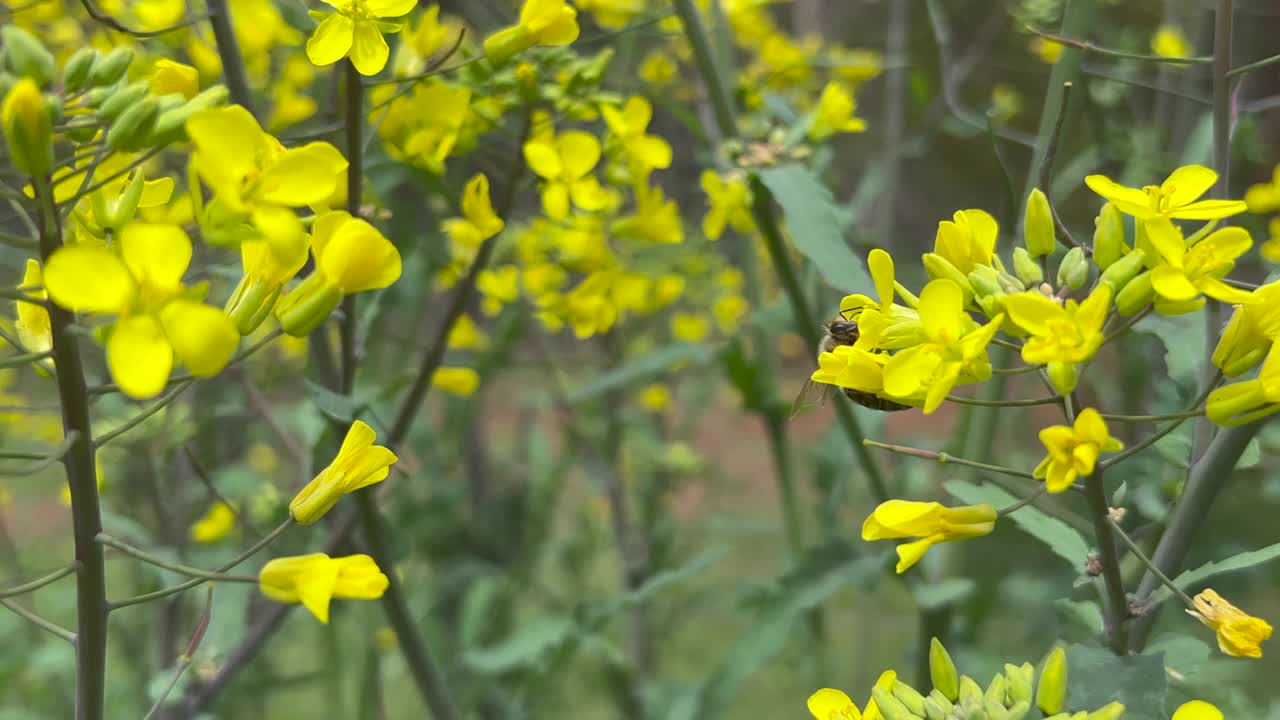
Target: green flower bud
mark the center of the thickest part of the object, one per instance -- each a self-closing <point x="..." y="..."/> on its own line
<point x="1037" y="225"/>
<point x="121" y="100"/>
<point x="123" y="210"/>
<point x="28" y="127"/>
<point x="1137" y="294"/>
<point x="76" y="72"/>
<point x="1026" y="268"/>
<point x="251" y="303"/>
<point x="995" y="692"/>
<point x="909" y="697"/>
<point x="502" y="45"/>
<point x="307" y="306"/>
<point x="985" y="281"/>
<point x="935" y="710"/>
<point x="1008" y="283"/>
<point x="996" y="711"/>
<point x="1110" y="711"/>
<point x="1120" y="272"/>
<point x="1108" y="237"/>
<point x="939" y="267"/>
<point x="1052" y="690"/>
<point x="130" y="130"/>
<point x="171" y="125"/>
<point x="889" y="705"/>
<point x="942" y="671"/>
<point x="111" y="67"/>
<point x="969" y="690"/>
<point x="1019" y="680"/>
<point x="1074" y="269"/>
<point x="26" y="56"/>
<point x="1019" y="710"/>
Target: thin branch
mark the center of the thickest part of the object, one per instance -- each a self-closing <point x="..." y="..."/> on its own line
<point x="139" y="554"/>
<point x="104" y="18"/>
<point x="152" y="409"/>
<point x="1099" y="50"/>
<point x="38" y="583"/>
<point x="946" y="458"/>
<point x="40" y="622"/>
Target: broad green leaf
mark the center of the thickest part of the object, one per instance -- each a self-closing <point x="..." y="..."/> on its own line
<point x="1181" y="334"/>
<point x="817" y="575"/>
<point x="815" y="226"/>
<point x="1183" y="654"/>
<point x="343" y="408"/>
<point x="1193" y="578"/>
<point x="524" y="647"/>
<point x="1061" y="538"/>
<point x="1085" y="615"/>
<point x="1096" y="677"/>
<point x="642" y="368"/>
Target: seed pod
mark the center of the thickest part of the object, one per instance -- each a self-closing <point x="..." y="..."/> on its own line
<point x="1037" y="225"/>
<point x="942" y="671"/>
<point x="1052" y="690"/>
<point x="111" y="67"/>
<point x="76" y="72"/>
<point x="1074" y="269"/>
<point x="130" y="130"/>
<point x="121" y="100"/>
<point x="1108" y="237"/>
<point x="26" y="56"/>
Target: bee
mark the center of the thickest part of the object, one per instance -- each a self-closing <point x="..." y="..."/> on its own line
<point x="840" y="332"/>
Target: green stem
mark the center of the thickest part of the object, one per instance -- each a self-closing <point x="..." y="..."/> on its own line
<point x="38" y="583"/>
<point x="1117" y="605"/>
<point x="1099" y="50"/>
<point x="978" y="402"/>
<point x="704" y="58"/>
<point x="23" y="359"/>
<point x="1265" y="62"/>
<point x="1153" y="418"/>
<point x="1151" y="567"/>
<point x="142" y="555"/>
<point x="82" y="478"/>
<point x="946" y="458"/>
<point x="150" y="410"/>
<point x="233" y="71"/>
<point x="1077" y="17"/>
<point x="43" y="624"/>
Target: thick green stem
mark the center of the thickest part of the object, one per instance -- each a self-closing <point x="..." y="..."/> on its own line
<point x="1117" y="605"/>
<point x="233" y="72"/>
<point x="704" y="58"/>
<point x="86" y="515"/>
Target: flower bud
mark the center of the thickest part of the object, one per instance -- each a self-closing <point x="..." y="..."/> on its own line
<point x="937" y="706"/>
<point x="995" y="692"/>
<point x="1110" y="711"/>
<point x="1008" y="283"/>
<point x="305" y="307"/>
<point x="1108" y="237"/>
<point x="1052" y="690"/>
<point x="28" y="127"/>
<point x="26" y="56"/>
<point x="124" y="208"/>
<point x="527" y="83"/>
<point x="1120" y="272"/>
<point x="1037" y="225"/>
<point x="76" y="72"/>
<point x="171" y="125"/>
<point x="502" y="45"/>
<point x="909" y="697"/>
<point x="111" y="67"/>
<point x="1137" y="294"/>
<point x="890" y="707"/>
<point x="985" y="281"/>
<point x="1019" y="710"/>
<point x="1074" y="269"/>
<point x="1018" y="682"/>
<point x="942" y="671"/>
<point x="121" y="100"/>
<point x="1182" y="307"/>
<point x="251" y="303"/>
<point x="969" y="690"/>
<point x="131" y="129"/>
<point x="939" y="267"/>
<point x="995" y="710"/>
<point x="1026" y="268"/>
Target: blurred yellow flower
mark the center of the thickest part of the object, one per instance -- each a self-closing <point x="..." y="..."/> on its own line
<point x="1197" y="710"/>
<point x="456" y="380"/>
<point x="835" y="113"/>
<point x="478" y="222"/>
<point x="32" y="323"/>
<point x="730" y="204"/>
<point x="1049" y="51"/>
<point x="1239" y="634"/>
<point x="657" y="68"/>
<point x="314" y="580"/>
<point x="565" y="162"/>
<point x="689" y="328"/>
<point x="216" y="524"/>
<point x="359" y="464"/>
<point x="1168" y="41"/>
<point x="1271" y="248"/>
<point x="628" y="125"/>
<point x="499" y="287"/>
<point x="168" y="77"/>
<point x="1264" y="197"/>
<point x="465" y="335"/>
<point x="542" y="22"/>
<point x="1074" y="450"/>
<point x="655" y="397"/>
<point x="729" y="310"/>
<point x="932" y="522"/>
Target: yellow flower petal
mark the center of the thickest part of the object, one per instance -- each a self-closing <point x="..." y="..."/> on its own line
<point x="331" y="40"/>
<point x="830" y="704"/>
<point x="140" y="356"/>
<point x="369" y="49"/>
<point x="90" y="279"/>
<point x="1187" y="183"/>
<point x="203" y="338"/>
<point x="1197" y="710"/>
<point x="156" y="254"/>
<point x="358" y="258"/>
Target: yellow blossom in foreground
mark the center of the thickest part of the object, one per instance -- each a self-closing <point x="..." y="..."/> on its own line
<point x="314" y="580"/>
<point x="832" y="704"/>
<point x="157" y="320"/>
<point x="1247" y="338"/>
<point x="1239" y="634"/>
<point x="1176" y="198"/>
<point x="1168" y="41"/>
<point x="1243" y="402"/>
<point x="355" y="31"/>
<point x="932" y="522"/>
<point x="456" y="380"/>
<point x="1188" y="272"/>
<point x="1073" y="450"/>
<point x="1049" y="51"/>
<point x="835" y="113"/>
<point x="542" y="22"/>
<point x="215" y="525"/>
<point x="1197" y="710"/>
<point x="168" y="77"/>
<point x="900" y="325"/>
<point x="359" y="464"/>
<point x="967" y="240"/>
<point x="1062" y="336"/>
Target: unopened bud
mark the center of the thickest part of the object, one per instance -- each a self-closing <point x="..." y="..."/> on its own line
<point x="305" y="307"/>
<point x="121" y="100"/>
<point x="909" y="697"/>
<point x="1074" y="269"/>
<point x="502" y="45"/>
<point x="985" y="281"/>
<point x="1026" y="268"/>
<point x="1108" y="237"/>
<point x="939" y="267"/>
<point x="76" y="72"/>
<point x="130" y="130"/>
<point x="1051" y="692"/>
<point x="1064" y="376"/>
<point x="1019" y="680"/>
<point x="995" y="691"/>
<point x="1120" y="272"/>
<point x="970" y="692"/>
<point x="251" y="303"/>
<point x="28" y="127"/>
<point x="995" y="710"/>
<point x="1037" y="225"/>
<point x="527" y="83"/>
<point x="111" y="67"/>
<point x="26" y="55"/>
<point x="890" y="707"/>
<point x="171" y="125"/>
<point x="1110" y="711"/>
<point x="942" y="671"/>
<point x="1136" y="294"/>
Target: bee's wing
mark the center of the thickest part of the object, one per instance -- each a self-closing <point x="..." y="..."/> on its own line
<point x="813" y="393"/>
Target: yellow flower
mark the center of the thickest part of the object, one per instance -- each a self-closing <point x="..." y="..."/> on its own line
<point x="466" y="336"/>
<point x="542" y="22"/>
<point x="423" y="129"/>
<point x="1243" y="402"/>
<point x="955" y="349"/>
<point x="729" y="310"/>
<point x="644" y="152"/>
<point x="1175" y="198"/>
<point x="855" y="65"/>
<point x="288" y="107"/>
<point x="1270" y="249"/>
<point x="168" y="77"/>
<point x="730" y="204"/>
<point x="314" y="580"/>
<point x="613" y="14"/>
<point x="421" y="40"/>
<point x="478" y="222"/>
<point x="835" y="113"/>
<point x="1264" y="197"/>
<point x="830" y="704"/>
<point x="1188" y="272"/>
<point x="27" y="125"/>
<point x="264" y="276"/>
<point x="967" y="240"/>
<point x="657" y="68"/>
<point x="1061" y="336"/>
<point x="32" y="323"/>
<point x="899" y="326"/>
<point x="1247" y="337"/>
<point x="589" y="307"/>
<point x="852" y="367"/>
<point x="1050" y="51"/>
<point x="351" y="256"/>
<point x="65" y="496"/>
<point x="656" y="219"/>
<point x="1168" y="41"/>
<point x="359" y="464"/>
<point x="1006" y="103"/>
<point x="655" y="397"/>
<point x="456" y="380"/>
<point x="689" y="328"/>
<point x="1074" y="450"/>
<point x="355" y="31"/>
<point x="565" y="162"/>
<point x="932" y="522"/>
<point x="1239" y="634"/>
<point x="157" y="320"/>
<point x="216" y="524"/>
<point x="498" y="287"/>
<point x="1197" y="710"/>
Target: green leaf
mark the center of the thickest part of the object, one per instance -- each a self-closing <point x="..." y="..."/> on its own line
<point x="1061" y="538"/>
<point x="343" y="408"/>
<point x="1085" y="615"/>
<point x="943" y="594"/>
<point x="524" y="647"/>
<point x="815" y="226"/>
<point x="817" y="575"/>
<point x="1192" y="578"/>
<point x="1183" y="654"/>
<point x="660" y="581"/>
<point x="745" y="376"/>
<point x="1096" y="677"/>
<point x="641" y="368"/>
<point x="1178" y="333"/>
